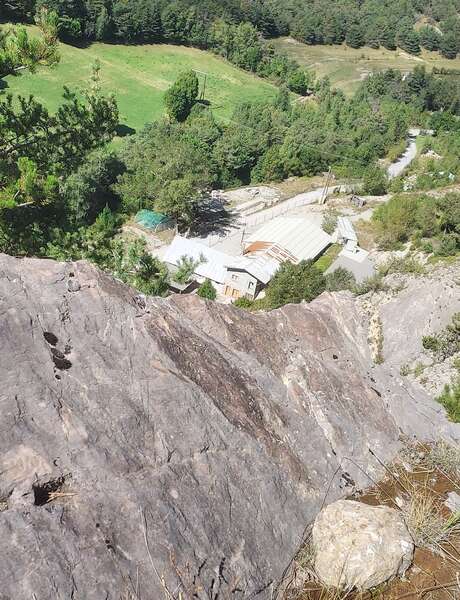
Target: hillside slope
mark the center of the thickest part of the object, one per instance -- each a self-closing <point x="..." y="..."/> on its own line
<point x="347" y="67"/>
<point x="139" y="76"/>
<point x="178" y="439"/>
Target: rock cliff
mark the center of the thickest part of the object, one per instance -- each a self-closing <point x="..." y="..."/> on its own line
<point x="153" y="447"/>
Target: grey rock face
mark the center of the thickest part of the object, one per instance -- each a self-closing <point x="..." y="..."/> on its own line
<point x="147" y="443"/>
<point x="360" y="546"/>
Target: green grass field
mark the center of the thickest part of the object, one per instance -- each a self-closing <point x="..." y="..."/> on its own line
<point x="139" y="76"/>
<point x="347" y="67"/>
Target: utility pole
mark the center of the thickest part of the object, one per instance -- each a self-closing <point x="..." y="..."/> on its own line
<point x="203" y="89"/>
<point x="326" y="187"/>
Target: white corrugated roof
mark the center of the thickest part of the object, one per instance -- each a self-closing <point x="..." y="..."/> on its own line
<point x="215" y="266"/>
<point x="302" y="238"/>
<point x="346" y="229"/>
<point x="261" y="267"/>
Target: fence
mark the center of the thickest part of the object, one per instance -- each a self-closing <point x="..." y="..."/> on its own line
<point x="279" y="210"/>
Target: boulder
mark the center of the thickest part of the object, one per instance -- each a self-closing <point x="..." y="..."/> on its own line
<point x="360" y="546"/>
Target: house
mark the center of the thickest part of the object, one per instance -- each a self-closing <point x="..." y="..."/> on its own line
<point x="234" y="277"/>
<point x="288" y="239"/>
<point x="247" y="277"/>
<point x="210" y="263"/>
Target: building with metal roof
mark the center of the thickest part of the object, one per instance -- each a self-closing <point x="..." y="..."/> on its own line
<point x="346" y="234"/>
<point x="288" y="239"/>
<point x="356" y="261"/>
<point x="211" y="263"/>
<point x="235" y="277"/>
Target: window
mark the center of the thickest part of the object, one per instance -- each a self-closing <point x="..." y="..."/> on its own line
<point x="235" y="277"/>
<point x="251" y="284"/>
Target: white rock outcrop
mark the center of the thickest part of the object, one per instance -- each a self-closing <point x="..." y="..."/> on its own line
<point x="360" y="546"/>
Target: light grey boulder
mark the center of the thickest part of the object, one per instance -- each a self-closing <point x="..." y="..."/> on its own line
<point x="453" y="502"/>
<point x="360" y="546"/>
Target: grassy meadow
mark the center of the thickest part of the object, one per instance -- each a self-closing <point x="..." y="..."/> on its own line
<point x="347" y="67"/>
<point x="139" y="76"/>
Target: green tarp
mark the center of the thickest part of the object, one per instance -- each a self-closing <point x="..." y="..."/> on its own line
<point x="152" y="220"/>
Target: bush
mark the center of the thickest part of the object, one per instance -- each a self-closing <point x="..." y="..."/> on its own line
<point x="449" y="245"/>
<point x="330" y="219"/>
<point x="294" y="283"/>
<point x="207" y="290"/>
<point x="340" y="279"/>
<point x="244" y="303"/>
<point x="181" y="96"/>
<point x="403" y="264"/>
<point x="446" y="343"/>
<point x="371" y="284"/>
<point x="375" y="181"/>
<point x="450" y="399"/>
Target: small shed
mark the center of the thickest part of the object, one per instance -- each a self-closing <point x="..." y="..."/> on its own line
<point x="154" y="221"/>
<point x="346" y="234"/>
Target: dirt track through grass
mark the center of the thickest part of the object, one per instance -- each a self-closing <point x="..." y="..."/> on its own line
<point x="347" y="67"/>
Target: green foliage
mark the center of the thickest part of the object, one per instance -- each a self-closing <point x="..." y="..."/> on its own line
<point x="186" y="267"/>
<point x="299" y="82"/>
<point x="446" y="343"/>
<point x="340" y="279"/>
<point x="244" y="303"/>
<point x="408" y="217"/>
<point x="371" y="284"/>
<point x="330" y="219"/>
<point x="19" y="50"/>
<point x="207" y="290"/>
<point x="407" y="38"/>
<point x="181" y="96"/>
<point x="88" y="190"/>
<point x="294" y="283"/>
<point x="404" y="264"/>
<point x="450" y="399"/>
<point x="375" y="181"/>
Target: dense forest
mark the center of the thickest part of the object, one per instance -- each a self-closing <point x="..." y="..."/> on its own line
<point x="216" y="24"/>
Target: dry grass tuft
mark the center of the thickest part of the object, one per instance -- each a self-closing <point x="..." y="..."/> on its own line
<point x="444" y="457"/>
<point x="425" y="519"/>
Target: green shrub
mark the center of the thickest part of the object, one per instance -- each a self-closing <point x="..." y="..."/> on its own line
<point x="371" y="284"/>
<point x="449" y="245"/>
<point x="329" y="223"/>
<point x="375" y="181"/>
<point x="446" y="343"/>
<point x="244" y="303"/>
<point x="207" y="290"/>
<point x="340" y="279"/>
<point x="450" y="399"/>
<point x="403" y="264"/>
<point x="294" y="283"/>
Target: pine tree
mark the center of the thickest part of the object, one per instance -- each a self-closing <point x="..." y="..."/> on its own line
<point x="355" y="36"/>
<point x="407" y="38"/>
<point x="449" y="45"/>
<point x="430" y="39"/>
